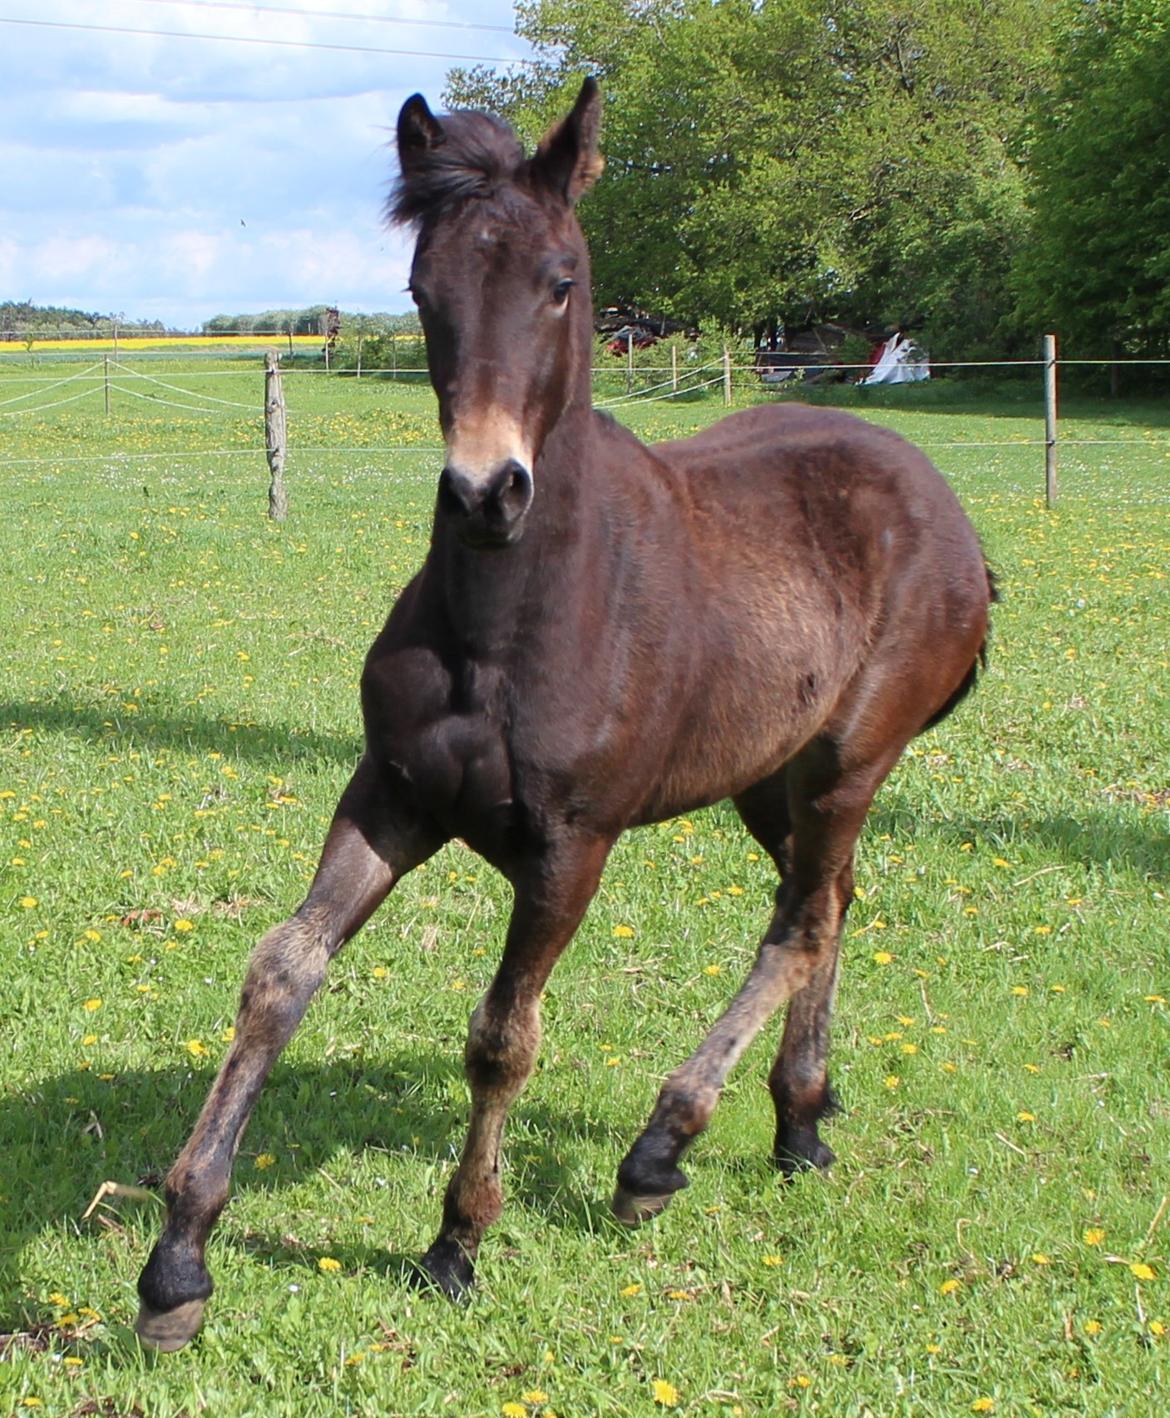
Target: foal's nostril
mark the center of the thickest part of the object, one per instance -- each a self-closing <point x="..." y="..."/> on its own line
<point x="457" y="494"/>
<point x="514" y="488"/>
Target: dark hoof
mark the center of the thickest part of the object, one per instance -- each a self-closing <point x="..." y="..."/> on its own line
<point x="446" y="1267"/>
<point x="168" y="1330"/>
<point x="802" y="1151"/>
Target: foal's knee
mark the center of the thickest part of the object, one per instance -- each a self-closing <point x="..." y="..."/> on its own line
<point x="501" y="1048"/>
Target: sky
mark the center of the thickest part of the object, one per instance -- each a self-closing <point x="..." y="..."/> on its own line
<point x="174" y="178"/>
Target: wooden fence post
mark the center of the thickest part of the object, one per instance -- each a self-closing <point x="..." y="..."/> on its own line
<point x="674" y="368"/>
<point x="1050" y="420"/>
<point x="630" y="359"/>
<point x="106" y="381"/>
<point x="275" y="430"/>
<point x="726" y="376"/>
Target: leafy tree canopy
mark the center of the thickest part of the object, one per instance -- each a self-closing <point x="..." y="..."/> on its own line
<point x="856" y="159"/>
<point x="1098" y="266"/>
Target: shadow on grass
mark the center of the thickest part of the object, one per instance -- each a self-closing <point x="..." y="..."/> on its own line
<point x="111" y="727"/>
<point x="1118" y="840"/>
<point x="72" y="1131"/>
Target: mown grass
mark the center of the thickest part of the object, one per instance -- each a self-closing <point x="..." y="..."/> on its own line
<point x="178" y="716"/>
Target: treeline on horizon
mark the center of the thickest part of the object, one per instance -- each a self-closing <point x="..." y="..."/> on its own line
<point x="26" y="319"/>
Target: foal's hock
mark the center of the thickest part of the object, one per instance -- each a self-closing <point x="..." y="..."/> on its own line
<point x="602" y="635"/>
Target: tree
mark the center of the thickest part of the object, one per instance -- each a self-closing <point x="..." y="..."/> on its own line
<point x="849" y="158"/>
<point x="1097" y="269"/>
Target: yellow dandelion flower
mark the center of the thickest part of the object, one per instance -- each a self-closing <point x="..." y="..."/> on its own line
<point x="623" y="932"/>
<point x="983" y="1405"/>
<point x="91" y="1004"/>
<point x="664" y="1393"/>
<point x="630" y="1290"/>
<point x="892" y="1081"/>
<point x="534" y="1395"/>
<point x="264" y="1161"/>
<point x="379" y="972"/>
<point x="1093" y="1235"/>
<point x="28" y="902"/>
<point x="183" y="924"/>
<point x="948" y="1287"/>
<point x="712" y="969"/>
<point x="1093" y="1326"/>
<point x="1157" y="1328"/>
<point x="329" y="1265"/>
<point x="1021" y="990"/>
<point x="197" y="1048"/>
<point x="1023" y="1116"/>
<point x="882" y="957"/>
<point x="514" y="1410"/>
<point x="802" y="1381"/>
<point x="1141" y="1271"/>
<point x="1039" y="1258"/>
<point x="773" y="1260"/>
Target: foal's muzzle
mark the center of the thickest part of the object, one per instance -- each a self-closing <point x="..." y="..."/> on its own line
<point x="488" y="513"/>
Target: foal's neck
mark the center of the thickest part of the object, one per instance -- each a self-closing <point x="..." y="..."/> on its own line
<point x="494" y="598"/>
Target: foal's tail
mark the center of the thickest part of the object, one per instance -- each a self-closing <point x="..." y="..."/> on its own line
<point x="967" y="683"/>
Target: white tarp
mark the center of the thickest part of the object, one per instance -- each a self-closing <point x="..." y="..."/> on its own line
<point x="900" y="362"/>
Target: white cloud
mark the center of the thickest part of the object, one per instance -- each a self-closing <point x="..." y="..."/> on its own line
<point x="177" y="178"/>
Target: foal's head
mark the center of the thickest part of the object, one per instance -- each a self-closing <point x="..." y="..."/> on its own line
<point x="501" y="281"/>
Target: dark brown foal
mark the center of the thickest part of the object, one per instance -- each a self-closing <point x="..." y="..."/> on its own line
<point x="603" y="635"/>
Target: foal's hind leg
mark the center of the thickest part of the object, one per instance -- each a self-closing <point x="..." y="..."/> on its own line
<point x="808" y="817"/>
<point x="551" y="897"/>
<point x="369" y="847"/>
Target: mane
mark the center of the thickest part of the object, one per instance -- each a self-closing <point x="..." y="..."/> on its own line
<point x="476" y="154"/>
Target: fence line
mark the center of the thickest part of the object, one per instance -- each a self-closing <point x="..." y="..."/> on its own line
<point x="680" y="384"/>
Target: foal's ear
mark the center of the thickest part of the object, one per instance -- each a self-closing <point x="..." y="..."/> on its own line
<point x="419" y="131"/>
<point x="567" y="160"/>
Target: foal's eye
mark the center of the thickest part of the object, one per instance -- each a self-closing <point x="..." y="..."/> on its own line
<point x="560" y="292"/>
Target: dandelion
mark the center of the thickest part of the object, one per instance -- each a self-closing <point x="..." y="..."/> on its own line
<point x="623" y="932"/>
<point x="892" y="1081"/>
<point x="773" y="1260"/>
<point x="534" y="1395"/>
<point x="1141" y="1271"/>
<point x="92" y="1004"/>
<point x="1039" y="1258"/>
<point x="197" y="1048"/>
<point x="1023" y="1116"/>
<point x="183" y="924"/>
<point x="514" y="1410"/>
<point x="712" y="969"/>
<point x="329" y="1265"/>
<point x="28" y="902"/>
<point x="630" y="1290"/>
<point x="1093" y="1326"/>
<point x="948" y="1287"/>
<point x="1020" y="990"/>
<point x="664" y="1393"/>
<point x="263" y="1161"/>
<point x="1093" y="1235"/>
<point x="882" y="957"/>
<point x="380" y="972"/>
<point x="1157" y="1328"/>
<point x="983" y="1405"/>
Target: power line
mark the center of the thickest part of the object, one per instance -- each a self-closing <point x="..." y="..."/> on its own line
<point x="250" y="39"/>
<point x="332" y="15"/>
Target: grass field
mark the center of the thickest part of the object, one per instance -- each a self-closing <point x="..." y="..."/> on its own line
<point x="178" y="714"/>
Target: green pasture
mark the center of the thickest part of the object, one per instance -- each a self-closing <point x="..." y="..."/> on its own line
<point x="178" y="714"/>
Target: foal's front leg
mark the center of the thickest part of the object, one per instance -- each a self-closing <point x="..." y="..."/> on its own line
<point x="552" y="895"/>
<point x="371" y="844"/>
